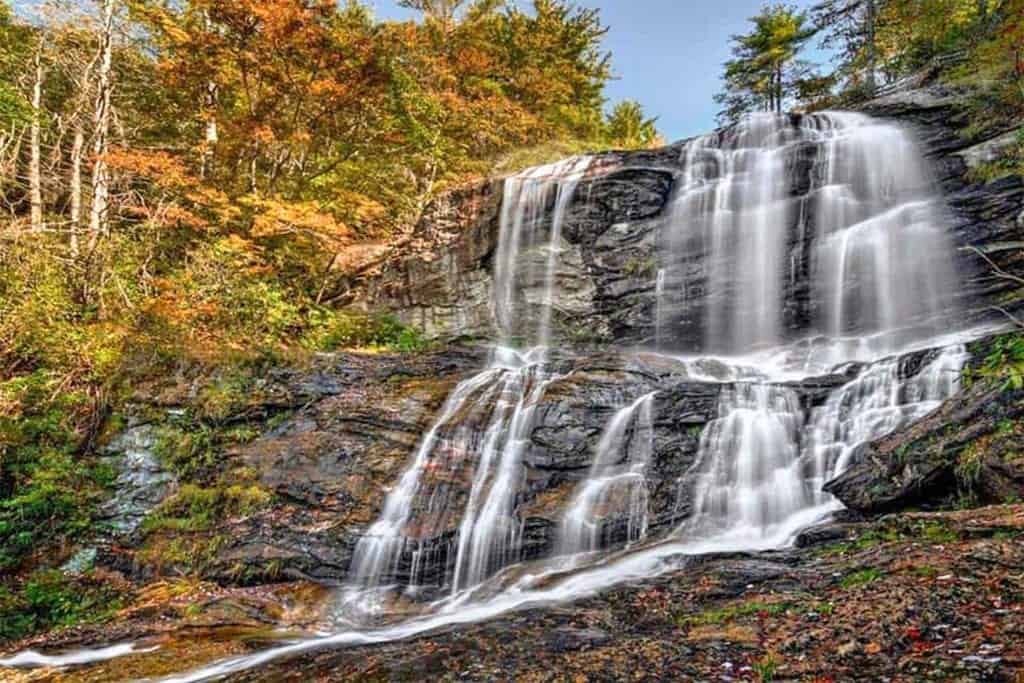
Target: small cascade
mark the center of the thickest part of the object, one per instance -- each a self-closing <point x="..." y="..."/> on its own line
<point x="524" y="247"/>
<point x="761" y="463"/>
<point x="482" y="426"/>
<point x="875" y="404"/>
<point x="747" y="475"/>
<point x="489" y="535"/>
<point x="732" y="206"/>
<point x="883" y="257"/>
<point x="616" y="486"/>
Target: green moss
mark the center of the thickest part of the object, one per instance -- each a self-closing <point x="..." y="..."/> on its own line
<point x="225" y="396"/>
<point x="937" y="532"/>
<point x="640" y="267"/>
<point x="865" y="541"/>
<point x="860" y="578"/>
<point x="733" y="612"/>
<point x="194" y="508"/>
<point x="186" y="449"/>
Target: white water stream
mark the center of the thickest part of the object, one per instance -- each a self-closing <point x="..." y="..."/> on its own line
<point x="881" y="268"/>
<point x="616" y="483"/>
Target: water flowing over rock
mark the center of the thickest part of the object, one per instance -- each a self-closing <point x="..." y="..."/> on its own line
<point x="528" y="263"/>
<point x="748" y="474"/>
<point x="708" y="348"/>
<point x="819" y="250"/>
<point x="616" y="484"/>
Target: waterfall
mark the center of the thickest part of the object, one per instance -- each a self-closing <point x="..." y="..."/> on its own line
<point x="486" y="421"/>
<point x="616" y="485"/>
<point x="879" y="257"/>
<point x="748" y="468"/>
<point x="760" y="464"/>
<point x="422" y="506"/>
<point x="489" y="533"/>
<point x="875" y="404"/>
<point x="820" y="240"/>
<point x="522" y="243"/>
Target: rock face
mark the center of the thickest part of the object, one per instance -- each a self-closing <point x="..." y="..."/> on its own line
<point x="142" y="483"/>
<point x="968" y="452"/>
<point x="615" y="230"/>
<point x="330" y="439"/>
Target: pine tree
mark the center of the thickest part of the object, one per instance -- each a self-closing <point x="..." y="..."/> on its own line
<point x="851" y="27"/>
<point x="764" y="72"/>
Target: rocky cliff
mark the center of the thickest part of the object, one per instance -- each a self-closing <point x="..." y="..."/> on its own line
<point x="322" y="442"/>
<point x="619" y="216"/>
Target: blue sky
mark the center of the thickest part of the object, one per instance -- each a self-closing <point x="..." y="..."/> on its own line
<point x="666" y="53"/>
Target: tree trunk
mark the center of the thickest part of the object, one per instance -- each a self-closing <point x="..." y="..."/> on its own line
<point x="210" y="110"/>
<point x="872" y="46"/>
<point x="212" y="135"/>
<point x="76" y="186"/>
<point x="35" y="178"/>
<point x="778" y="89"/>
<point x="98" y="223"/>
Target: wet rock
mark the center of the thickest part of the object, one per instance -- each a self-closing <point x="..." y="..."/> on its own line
<point x="574" y="639"/>
<point x="821" y="534"/>
<point x="990" y="150"/>
<point x="81" y="562"/>
<point x="970" y="446"/>
<point x="142" y="482"/>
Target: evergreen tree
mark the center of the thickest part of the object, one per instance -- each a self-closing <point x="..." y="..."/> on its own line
<point x="764" y="73"/>
<point x="851" y="28"/>
<point x="628" y="128"/>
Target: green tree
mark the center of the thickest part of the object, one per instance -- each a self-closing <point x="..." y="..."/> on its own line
<point x="764" y="73"/>
<point x="851" y="28"/>
<point x="628" y="128"/>
<point x="15" y="47"/>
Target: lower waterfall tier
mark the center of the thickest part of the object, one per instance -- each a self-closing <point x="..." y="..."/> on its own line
<point x="540" y="456"/>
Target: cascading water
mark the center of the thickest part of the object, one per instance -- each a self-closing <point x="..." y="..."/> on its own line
<point x="761" y="464"/>
<point x="748" y="471"/>
<point x="868" y="226"/>
<point x="865" y="231"/>
<point x="616" y="485"/>
<point x="793" y="247"/>
<point x="523" y="247"/>
<point x="486" y="420"/>
<point x="875" y="404"/>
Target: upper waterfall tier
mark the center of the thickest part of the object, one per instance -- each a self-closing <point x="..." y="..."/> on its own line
<point x="851" y="234"/>
<point x="839" y="205"/>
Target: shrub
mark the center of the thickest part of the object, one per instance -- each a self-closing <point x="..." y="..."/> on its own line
<point x="50" y="599"/>
<point x="46" y="490"/>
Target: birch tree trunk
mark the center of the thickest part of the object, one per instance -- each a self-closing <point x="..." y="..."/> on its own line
<point x="77" y="147"/>
<point x="212" y="137"/>
<point x="35" y="177"/>
<point x="98" y="222"/>
<point x="210" y="107"/>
